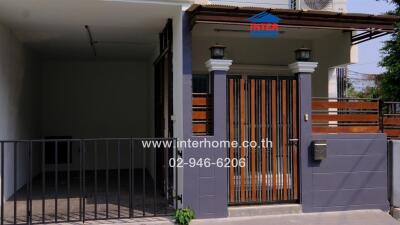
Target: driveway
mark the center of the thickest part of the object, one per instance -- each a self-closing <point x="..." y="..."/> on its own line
<point x="360" y="217"/>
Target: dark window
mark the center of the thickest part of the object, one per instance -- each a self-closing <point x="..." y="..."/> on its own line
<point x="201" y="84"/>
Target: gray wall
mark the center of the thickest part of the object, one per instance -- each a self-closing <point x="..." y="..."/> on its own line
<point x="98" y="99"/>
<point x="354" y="175"/>
<point x="85" y="99"/>
<point x="19" y="102"/>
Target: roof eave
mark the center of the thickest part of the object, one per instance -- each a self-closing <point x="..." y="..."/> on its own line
<point x="296" y="18"/>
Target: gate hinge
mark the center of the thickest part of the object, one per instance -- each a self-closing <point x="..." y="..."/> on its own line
<point x="179" y="198"/>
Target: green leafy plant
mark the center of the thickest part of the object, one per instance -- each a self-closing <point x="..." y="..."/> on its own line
<point x="184" y="216"/>
<point x="389" y="86"/>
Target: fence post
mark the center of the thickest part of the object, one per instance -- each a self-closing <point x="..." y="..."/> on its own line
<point x="381" y="115"/>
<point x="2" y="183"/>
<point x="303" y="71"/>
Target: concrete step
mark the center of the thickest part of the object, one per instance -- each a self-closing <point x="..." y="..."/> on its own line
<point x="264" y="210"/>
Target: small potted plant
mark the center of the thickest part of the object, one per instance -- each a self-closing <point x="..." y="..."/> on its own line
<point x="184" y="216"/>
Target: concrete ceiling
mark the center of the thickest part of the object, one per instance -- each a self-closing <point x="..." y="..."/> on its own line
<point x="55" y="28"/>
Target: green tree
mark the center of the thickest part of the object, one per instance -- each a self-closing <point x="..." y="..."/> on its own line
<point x="390" y="84"/>
<point x="367" y="92"/>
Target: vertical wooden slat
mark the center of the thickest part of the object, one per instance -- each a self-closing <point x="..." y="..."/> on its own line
<point x="247" y="116"/>
<point x="284" y="140"/>
<point x="253" y="138"/>
<point x="263" y="151"/>
<point x="294" y="153"/>
<point x="242" y="132"/>
<point x="231" y="139"/>
<point x="274" y="140"/>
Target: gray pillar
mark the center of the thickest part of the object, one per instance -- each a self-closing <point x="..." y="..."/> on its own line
<point x="209" y="196"/>
<point x="204" y="189"/>
<point x="303" y="71"/>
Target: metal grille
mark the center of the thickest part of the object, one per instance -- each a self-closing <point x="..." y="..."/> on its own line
<point x="293" y="4"/>
<point x="391" y="119"/>
<point x="100" y="179"/>
<point x="342" y="82"/>
<point x="318" y="4"/>
<point x="261" y="109"/>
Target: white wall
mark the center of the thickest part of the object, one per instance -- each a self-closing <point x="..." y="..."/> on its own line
<point x="337" y="6"/>
<point x="248" y="51"/>
<point x="177" y="60"/>
<point x="329" y="51"/>
<point x="284" y="4"/>
<point x="276" y="54"/>
<point x="19" y="102"/>
<point x="82" y="99"/>
<point x="395" y="149"/>
<point x="71" y="98"/>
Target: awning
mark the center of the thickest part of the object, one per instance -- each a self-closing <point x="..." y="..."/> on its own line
<point x="373" y="25"/>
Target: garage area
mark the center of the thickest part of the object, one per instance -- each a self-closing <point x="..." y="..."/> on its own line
<point x="77" y="97"/>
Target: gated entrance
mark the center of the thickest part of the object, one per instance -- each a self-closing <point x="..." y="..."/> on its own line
<point x="82" y="179"/>
<point x="263" y="108"/>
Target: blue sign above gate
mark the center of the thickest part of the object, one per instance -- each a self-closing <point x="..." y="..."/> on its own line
<point x="264" y="25"/>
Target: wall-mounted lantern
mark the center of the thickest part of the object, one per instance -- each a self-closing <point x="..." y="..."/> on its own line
<point x="217" y="51"/>
<point x="303" y="54"/>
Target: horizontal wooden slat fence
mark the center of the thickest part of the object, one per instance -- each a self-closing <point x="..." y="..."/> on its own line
<point x="202" y="114"/>
<point x="345" y="115"/>
<point x="351" y="115"/>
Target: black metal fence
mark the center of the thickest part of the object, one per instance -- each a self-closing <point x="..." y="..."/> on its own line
<point x="391" y="119"/>
<point x="391" y="108"/>
<point x="67" y="180"/>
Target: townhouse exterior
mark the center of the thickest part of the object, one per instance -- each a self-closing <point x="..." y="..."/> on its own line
<point x="83" y="85"/>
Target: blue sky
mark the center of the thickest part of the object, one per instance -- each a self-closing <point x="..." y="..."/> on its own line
<point x="369" y="52"/>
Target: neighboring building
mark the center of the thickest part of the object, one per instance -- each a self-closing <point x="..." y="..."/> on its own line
<point x="83" y="85"/>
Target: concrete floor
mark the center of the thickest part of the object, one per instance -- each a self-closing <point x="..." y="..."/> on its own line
<point x="162" y="205"/>
<point x="359" y="217"/>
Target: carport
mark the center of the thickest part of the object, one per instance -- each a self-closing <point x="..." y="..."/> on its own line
<point x="78" y="93"/>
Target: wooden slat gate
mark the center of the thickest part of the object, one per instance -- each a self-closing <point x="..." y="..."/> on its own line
<point x="263" y="108"/>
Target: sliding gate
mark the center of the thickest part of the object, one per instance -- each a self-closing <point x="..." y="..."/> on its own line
<point x="263" y="112"/>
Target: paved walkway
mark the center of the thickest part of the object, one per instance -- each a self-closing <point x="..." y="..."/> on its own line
<point x="360" y="217"/>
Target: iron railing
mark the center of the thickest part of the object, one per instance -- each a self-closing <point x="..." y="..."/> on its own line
<point x="391" y="119"/>
<point x="67" y="180"/>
